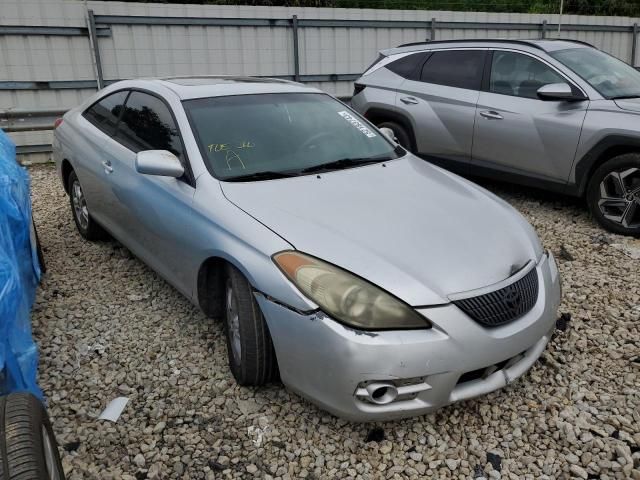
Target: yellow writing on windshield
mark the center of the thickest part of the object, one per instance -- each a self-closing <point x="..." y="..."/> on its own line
<point x="225" y="147"/>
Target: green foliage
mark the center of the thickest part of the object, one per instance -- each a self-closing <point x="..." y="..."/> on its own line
<point x="629" y="8"/>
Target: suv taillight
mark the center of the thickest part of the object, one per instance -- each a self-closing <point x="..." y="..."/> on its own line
<point x="57" y="123"/>
<point x="357" y="88"/>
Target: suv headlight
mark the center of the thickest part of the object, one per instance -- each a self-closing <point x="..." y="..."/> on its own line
<point x="346" y="297"/>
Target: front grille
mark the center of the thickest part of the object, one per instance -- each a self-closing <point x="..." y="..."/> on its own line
<point x="505" y="305"/>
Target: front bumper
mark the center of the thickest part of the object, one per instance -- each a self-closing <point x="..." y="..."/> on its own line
<point x="332" y="365"/>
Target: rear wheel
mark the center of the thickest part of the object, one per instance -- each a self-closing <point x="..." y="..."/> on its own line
<point x="401" y="134"/>
<point x="613" y="194"/>
<point x="252" y="358"/>
<point x="86" y="225"/>
<point x="28" y="448"/>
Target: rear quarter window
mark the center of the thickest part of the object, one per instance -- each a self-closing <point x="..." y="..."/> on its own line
<point x="104" y="113"/>
<point x="408" y="66"/>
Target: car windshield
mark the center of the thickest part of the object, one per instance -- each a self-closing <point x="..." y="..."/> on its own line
<point x="258" y="137"/>
<point x="612" y="78"/>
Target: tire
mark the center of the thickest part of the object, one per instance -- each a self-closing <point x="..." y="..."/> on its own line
<point x="28" y="448"/>
<point x="252" y="358"/>
<point x="43" y="266"/>
<point x="613" y="194"/>
<point x="403" y="137"/>
<point x="85" y="224"/>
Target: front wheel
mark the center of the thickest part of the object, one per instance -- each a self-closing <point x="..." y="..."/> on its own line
<point x="28" y="448"/>
<point x="252" y="358"/>
<point x="613" y="194"/>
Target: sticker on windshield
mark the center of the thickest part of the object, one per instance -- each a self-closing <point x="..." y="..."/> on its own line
<point x="357" y="123"/>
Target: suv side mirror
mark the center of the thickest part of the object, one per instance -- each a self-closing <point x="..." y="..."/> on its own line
<point x="159" y="162"/>
<point x="387" y="132"/>
<point x="558" y="91"/>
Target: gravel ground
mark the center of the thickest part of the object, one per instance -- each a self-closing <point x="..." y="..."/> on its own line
<point x="108" y="326"/>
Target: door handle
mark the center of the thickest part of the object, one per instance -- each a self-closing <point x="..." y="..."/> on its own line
<point x="409" y="100"/>
<point x="107" y="166"/>
<point x="492" y="115"/>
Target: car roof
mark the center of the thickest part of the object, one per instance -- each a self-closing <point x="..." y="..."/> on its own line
<point x="191" y="87"/>
<point x="547" y="45"/>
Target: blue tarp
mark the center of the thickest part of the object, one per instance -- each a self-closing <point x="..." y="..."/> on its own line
<point x="19" y="276"/>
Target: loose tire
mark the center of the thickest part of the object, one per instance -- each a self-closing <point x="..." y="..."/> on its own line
<point x="401" y="134"/>
<point x="252" y="358"/>
<point x="613" y="194"/>
<point x="28" y="448"/>
<point x="85" y="224"/>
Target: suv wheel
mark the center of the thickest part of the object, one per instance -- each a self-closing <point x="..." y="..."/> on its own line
<point x="613" y="194"/>
<point x="400" y="133"/>
<point x="252" y="358"/>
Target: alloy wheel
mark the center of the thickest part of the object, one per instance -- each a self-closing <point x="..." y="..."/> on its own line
<point x="620" y="197"/>
<point x="233" y="324"/>
<point x="80" y="209"/>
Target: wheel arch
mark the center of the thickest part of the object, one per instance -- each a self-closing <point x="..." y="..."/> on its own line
<point x="377" y="115"/>
<point x="606" y="149"/>
<point x="65" y="170"/>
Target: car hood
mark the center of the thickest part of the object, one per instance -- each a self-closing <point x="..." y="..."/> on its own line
<point x="631" y="104"/>
<point x="415" y="230"/>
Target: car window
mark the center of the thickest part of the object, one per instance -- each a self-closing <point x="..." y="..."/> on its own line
<point x="147" y="124"/>
<point x="612" y="78"/>
<point x="244" y="135"/>
<point x="455" y="68"/>
<point x="520" y="75"/>
<point x="104" y="114"/>
<point x="407" y="65"/>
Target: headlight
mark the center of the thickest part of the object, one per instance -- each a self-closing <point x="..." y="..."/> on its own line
<point x="346" y="297"/>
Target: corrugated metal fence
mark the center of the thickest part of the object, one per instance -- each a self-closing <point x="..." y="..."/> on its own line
<point x="54" y="53"/>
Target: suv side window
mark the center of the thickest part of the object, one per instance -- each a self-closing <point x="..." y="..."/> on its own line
<point x="408" y="66"/>
<point x="147" y="124"/>
<point x="104" y="114"/>
<point x="455" y="68"/>
<point x="520" y="75"/>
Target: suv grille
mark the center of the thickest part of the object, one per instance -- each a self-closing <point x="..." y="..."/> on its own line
<point x="505" y="305"/>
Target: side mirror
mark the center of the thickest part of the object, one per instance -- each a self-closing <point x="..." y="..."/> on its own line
<point x="159" y="162"/>
<point x="558" y="91"/>
<point x="387" y="132"/>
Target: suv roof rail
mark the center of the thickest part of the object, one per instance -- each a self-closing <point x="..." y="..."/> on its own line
<point x="528" y="43"/>
<point x="572" y="40"/>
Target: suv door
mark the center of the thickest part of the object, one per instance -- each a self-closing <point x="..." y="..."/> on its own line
<point x="152" y="214"/>
<point x="441" y="102"/>
<point x="515" y="131"/>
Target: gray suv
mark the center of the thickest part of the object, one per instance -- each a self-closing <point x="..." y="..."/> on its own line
<point x="556" y="114"/>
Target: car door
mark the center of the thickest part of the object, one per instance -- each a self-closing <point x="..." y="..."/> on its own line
<point x="441" y="103"/>
<point x="152" y="213"/>
<point x="91" y="165"/>
<point x="517" y="132"/>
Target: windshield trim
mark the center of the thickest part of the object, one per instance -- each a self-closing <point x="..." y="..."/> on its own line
<point x="607" y="97"/>
<point x="401" y="152"/>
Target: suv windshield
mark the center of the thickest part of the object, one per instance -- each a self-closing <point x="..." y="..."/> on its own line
<point x="259" y="137"/>
<point x="611" y="77"/>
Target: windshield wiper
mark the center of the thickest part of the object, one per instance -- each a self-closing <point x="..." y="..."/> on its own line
<point x="267" y="175"/>
<point x="344" y="163"/>
<point x="625" y="97"/>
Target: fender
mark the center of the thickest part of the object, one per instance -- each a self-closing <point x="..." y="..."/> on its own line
<point x="608" y="147"/>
